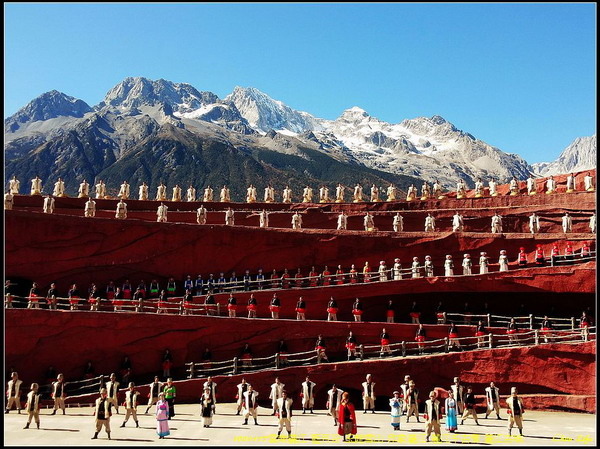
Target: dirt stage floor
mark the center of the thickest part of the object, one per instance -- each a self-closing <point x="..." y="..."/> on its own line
<point x="77" y="427"/>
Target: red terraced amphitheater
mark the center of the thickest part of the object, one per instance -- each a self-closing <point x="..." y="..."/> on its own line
<point x="67" y="248"/>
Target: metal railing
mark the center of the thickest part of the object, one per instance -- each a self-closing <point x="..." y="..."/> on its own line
<point x="176" y="304"/>
<point x="400" y="349"/>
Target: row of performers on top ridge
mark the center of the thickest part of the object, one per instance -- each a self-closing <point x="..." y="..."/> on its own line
<point x="392" y="192"/>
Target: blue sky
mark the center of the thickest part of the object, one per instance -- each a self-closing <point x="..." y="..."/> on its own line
<point x="521" y="77"/>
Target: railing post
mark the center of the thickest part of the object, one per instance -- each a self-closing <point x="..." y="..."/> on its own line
<point x="536" y="337"/>
<point x="235" y="365"/>
<point x="403" y="349"/>
<point x="572" y="323"/>
<point x="531" y="321"/>
<point x="446" y="345"/>
<point x="489" y="320"/>
<point x="277" y="361"/>
<point x="361" y="348"/>
<point x="191" y="370"/>
<point x="490" y="340"/>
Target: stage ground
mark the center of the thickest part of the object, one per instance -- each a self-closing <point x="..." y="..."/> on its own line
<point x="77" y="427"/>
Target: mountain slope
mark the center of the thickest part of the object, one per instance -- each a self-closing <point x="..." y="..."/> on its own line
<point x="579" y="155"/>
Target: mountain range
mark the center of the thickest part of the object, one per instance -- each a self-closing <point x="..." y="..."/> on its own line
<point x="160" y="131"/>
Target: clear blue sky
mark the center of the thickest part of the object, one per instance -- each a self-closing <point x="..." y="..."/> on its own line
<point x="521" y="77"/>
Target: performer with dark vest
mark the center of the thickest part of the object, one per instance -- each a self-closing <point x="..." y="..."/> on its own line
<point x="33" y="406"/>
<point x="284" y="413"/>
<point x="274" y="306"/>
<point x="469" y="406"/>
<point x="58" y="394"/>
<point x="453" y="337"/>
<point x="163" y="302"/>
<point x="480" y="333"/>
<point x="432" y="417"/>
<point x="357" y="310"/>
<point x="251" y="307"/>
<point x="321" y="347"/>
<point x="34" y="297"/>
<point x="131" y="404"/>
<point x="351" y="345"/>
<point x="368" y="394"/>
<point x="232" y="306"/>
<point x="260" y="279"/>
<point x="241" y="388"/>
<point x="250" y="405"/>
<point x="333" y="403"/>
<point x="103" y="412"/>
<point x="210" y="304"/>
<point x="112" y="388"/>
<point x="13" y="394"/>
<point x="546" y="329"/>
<point x="390" y="313"/>
<point x="415" y="313"/>
<point x="198" y="285"/>
<point x="52" y="297"/>
<point x="211" y="386"/>
<point x="492" y="396"/>
<point x="187" y="303"/>
<point x="385" y="343"/>
<point x="515" y="411"/>
<point x="155" y="389"/>
<point x="332" y="310"/>
<point x="308" y="395"/>
<point x="154" y="289"/>
<point x="275" y="279"/>
<point x="301" y="309"/>
<point x="420" y="338"/>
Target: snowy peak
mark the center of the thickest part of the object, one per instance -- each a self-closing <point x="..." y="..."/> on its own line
<point x="45" y="107"/>
<point x="264" y="113"/>
<point x="578" y="156"/>
<point x="134" y="92"/>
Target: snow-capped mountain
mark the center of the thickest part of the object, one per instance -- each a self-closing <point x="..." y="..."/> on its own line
<point x="265" y="114"/>
<point x="47" y="106"/>
<point x="158" y="131"/>
<point x="431" y="148"/>
<point x="88" y="141"/>
<point x="579" y="155"/>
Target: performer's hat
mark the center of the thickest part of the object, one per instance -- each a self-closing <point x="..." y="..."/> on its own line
<point x="456" y="379"/>
<point x="381" y="262"/>
<point x="467" y="255"/>
<point x="428" y="257"/>
<point x="396" y="260"/>
<point x="522" y="248"/>
<point x="503" y="251"/>
<point x="483" y="253"/>
<point x="448" y="256"/>
<point x="396" y="392"/>
<point x="538" y="245"/>
<point x="415" y="258"/>
<point x="513" y="390"/>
